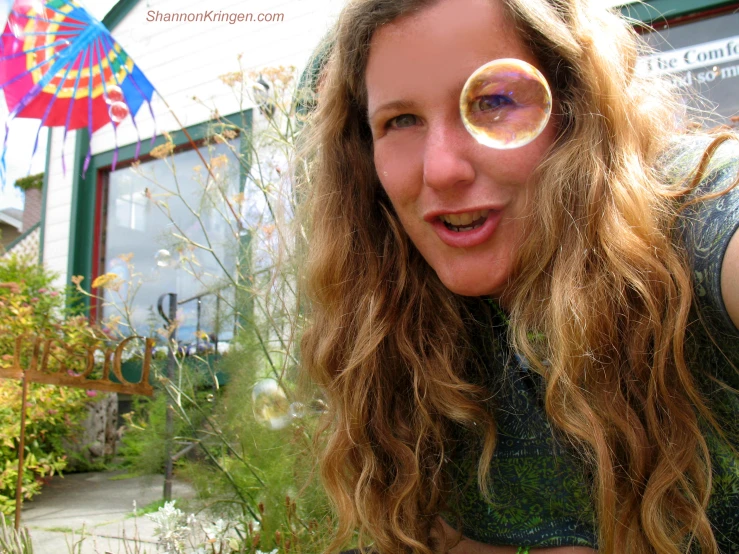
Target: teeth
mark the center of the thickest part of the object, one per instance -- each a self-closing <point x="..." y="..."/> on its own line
<point x="465" y="218"/>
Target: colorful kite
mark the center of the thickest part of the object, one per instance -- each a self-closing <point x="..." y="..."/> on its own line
<point x="60" y="65"/>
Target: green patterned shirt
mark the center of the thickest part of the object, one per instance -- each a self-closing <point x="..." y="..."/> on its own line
<point x="540" y="493"/>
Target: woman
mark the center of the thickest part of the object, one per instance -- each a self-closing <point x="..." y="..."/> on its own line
<point x="506" y="336"/>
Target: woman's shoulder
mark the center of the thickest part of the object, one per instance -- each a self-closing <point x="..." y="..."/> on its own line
<point x="682" y="159"/>
<point x="706" y="225"/>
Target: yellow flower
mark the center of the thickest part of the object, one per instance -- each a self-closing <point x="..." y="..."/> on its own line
<point x="162" y="151"/>
<point x="219" y="161"/>
<point x="77" y="279"/>
<point x="113" y="322"/>
<point x="230" y="79"/>
<point x="107" y="281"/>
<point x="126" y="257"/>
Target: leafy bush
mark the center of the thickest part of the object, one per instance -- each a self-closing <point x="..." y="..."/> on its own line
<point x="30" y="305"/>
<point x="144" y="435"/>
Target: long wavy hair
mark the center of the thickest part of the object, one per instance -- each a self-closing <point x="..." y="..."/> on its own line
<point x="601" y="276"/>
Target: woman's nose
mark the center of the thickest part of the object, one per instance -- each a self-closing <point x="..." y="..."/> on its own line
<point x="446" y="161"/>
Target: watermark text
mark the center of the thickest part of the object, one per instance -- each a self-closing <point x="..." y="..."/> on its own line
<point x="213" y="16"/>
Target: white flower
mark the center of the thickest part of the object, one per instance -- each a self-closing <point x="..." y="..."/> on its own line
<point x="215" y="531"/>
<point x="171" y="527"/>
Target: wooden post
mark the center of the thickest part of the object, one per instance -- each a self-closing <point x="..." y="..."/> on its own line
<point x="171" y="319"/>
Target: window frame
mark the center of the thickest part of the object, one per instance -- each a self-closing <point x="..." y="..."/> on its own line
<point x="88" y="192"/>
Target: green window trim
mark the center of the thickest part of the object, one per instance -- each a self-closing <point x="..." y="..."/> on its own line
<point x="84" y="189"/>
<point x="118" y="12"/>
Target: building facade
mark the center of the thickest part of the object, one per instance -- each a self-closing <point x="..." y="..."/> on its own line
<point x="90" y="219"/>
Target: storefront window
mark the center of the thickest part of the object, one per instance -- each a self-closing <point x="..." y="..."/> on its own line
<point x="167" y="228"/>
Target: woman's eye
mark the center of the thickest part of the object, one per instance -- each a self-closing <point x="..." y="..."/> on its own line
<point x="490" y="102"/>
<point x="402" y="121"/>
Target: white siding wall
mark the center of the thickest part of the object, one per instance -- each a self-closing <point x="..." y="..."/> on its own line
<point x="182" y="61"/>
<point x="59" y="205"/>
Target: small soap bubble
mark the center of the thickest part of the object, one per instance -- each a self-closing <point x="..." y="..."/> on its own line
<point x="37" y="7"/>
<point x="296" y="410"/>
<point x="505" y="103"/>
<point x="118" y="112"/>
<point x="17" y="24"/>
<point x="28" y="17"/>
<point x="163" y="258"/>
<point x="270" y="404"/>
<point x="113" y="94"/>
<point x="318" y="406"/>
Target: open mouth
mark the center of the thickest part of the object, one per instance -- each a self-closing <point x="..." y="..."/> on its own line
<point x="460" y="223"/>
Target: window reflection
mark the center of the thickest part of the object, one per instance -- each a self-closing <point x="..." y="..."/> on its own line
<point x="158" y="217"/>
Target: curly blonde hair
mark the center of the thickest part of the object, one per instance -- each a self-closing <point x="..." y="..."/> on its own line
<point x="600" y="276"/>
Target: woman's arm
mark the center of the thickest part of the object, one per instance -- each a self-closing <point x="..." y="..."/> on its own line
<point x="730" y="279"/>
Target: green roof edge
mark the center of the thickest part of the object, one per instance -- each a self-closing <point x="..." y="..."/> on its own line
<point x="658" y="11"/>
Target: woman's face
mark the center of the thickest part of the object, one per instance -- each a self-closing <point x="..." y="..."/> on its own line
<point x="438" y="178"/>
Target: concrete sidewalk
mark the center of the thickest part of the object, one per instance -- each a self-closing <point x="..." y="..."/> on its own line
<point x="102" y="504"/>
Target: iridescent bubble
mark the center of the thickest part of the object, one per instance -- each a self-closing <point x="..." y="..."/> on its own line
<point x="505" y="103"/>
<point x="296" y="410"/>
<point x="270" y="404"/>
<point x="25" y="21"/>
<point x="37" y="7"/>
<point x="17" y="24"/>
<point x="118" y="112"/>
<point x="318" y="406"/>
<point x="163" y="258"/>
<point x="113" y="94"/>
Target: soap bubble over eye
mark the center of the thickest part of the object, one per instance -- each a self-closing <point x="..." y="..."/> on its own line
<point x="270" y="404"/>
<point x="505" y="103"/>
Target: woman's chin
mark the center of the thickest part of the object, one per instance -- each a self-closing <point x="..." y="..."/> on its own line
<point x="472" y="285"/>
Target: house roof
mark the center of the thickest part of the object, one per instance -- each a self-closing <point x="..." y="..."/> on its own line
<point x="12" y="216"/>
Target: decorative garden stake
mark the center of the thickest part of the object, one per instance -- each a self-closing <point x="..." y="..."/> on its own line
<point x="37" y="371"/>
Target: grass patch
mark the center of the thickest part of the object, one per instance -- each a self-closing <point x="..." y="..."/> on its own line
<point x="123" y="476"/>
<point x="59" y="529"/>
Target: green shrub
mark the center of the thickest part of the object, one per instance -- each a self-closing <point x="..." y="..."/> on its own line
<point x="142" y="448"/>
<point x="30" y="305"/>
